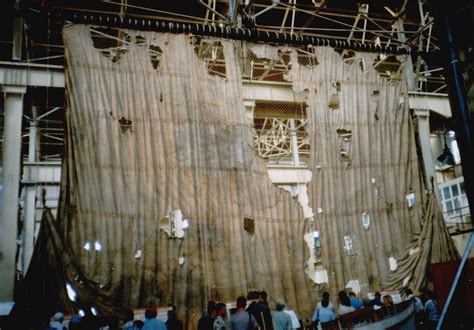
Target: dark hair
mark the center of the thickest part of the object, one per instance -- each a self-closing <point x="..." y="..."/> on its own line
<point x="129" y="315"/>
<point x="241" y="302"/>
<point x="344" y="298"/>
<point x="325" y="301"/>
<point x="138" y="323"/>
<point x="263" y="295"/>
<point x="352" y="294"/>
<point x="252" y="295"/>
<point x="150" y="313"/>
<point x="211" y="305"/>
<point x="377" y="294"/>
<point x="408" y="291"/>
<point x="219" y="306"/>
<point x="388" y="298"/>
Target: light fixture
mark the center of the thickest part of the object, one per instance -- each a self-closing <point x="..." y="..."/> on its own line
<point x="446" y="158"/>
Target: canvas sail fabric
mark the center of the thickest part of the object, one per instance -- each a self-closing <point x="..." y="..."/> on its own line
<point x="365" y="163"/>
<point x="432" y="245"/>
<point x="188" y="147"/>
<point x="146" y="139"/>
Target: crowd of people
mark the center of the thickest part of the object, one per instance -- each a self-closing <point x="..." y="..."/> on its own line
<point x="257" y="314"/>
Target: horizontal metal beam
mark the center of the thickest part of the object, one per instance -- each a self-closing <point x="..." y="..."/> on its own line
<point x="434" y="102"/>
<point x="226" y="32"/>
<point x="438" y="103"/>
<point x="29" y="74"/>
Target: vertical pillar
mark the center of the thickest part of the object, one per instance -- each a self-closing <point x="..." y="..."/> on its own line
<point x="30" y="196"/>
<point x="423" y="123"/>
<point x="11" y="179"/>
<point x="294" y="143"/>
<point x="249" y="109"/>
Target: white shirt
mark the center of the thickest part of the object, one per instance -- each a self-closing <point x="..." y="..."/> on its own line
<point x="344" y="309"/>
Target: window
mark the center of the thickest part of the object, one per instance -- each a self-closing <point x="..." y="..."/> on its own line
<point x="454" y="201"/>
<point x="317" y="247"/>
<point x="348" y="245"/>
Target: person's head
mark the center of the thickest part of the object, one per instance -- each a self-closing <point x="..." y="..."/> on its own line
<point x="211" y="308"/>
<point x="352" y="294"/>
<point x="344" y="298"/>
<point x="129" y="315"/>
<point x="409" y="292"/>
<point x="253" y="295"/>
<point x="241" y="302"/>
<point x="220" y="309"/>
<point x="263" y="296"/>
<point x="280" y="305"/>
<point x="325" y="301"/>
<point x="138" y="324"/>
<point x="387" y="300"/>
<point x="58" y="317"/>
<point x="377" y="295"/>
<point x="150" y="313"/>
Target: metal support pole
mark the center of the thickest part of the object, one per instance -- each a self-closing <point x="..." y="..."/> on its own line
<point x="11" y="180"/>
<point x="467" y="252"/>
<point x="30" y="196"/>
<point x="294" y="143"/>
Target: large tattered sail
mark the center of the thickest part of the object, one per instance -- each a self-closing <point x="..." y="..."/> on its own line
<point x="166" y="201"/>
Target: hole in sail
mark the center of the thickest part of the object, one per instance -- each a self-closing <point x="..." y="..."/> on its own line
<point x="155" y="56"/>
<point x="112" y="43"/>
<point x="249" y="225"/>
<point x="211" y="52"/>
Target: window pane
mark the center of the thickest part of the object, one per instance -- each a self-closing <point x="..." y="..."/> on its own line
<point x="461" y="184"/>
<point x="455" y="190"/>
<point x="457" y="204"/>
<point x="449" y="206"/>
<point x="446" y="193"/>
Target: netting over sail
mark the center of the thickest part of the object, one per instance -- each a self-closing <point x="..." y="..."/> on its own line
<point x="167" y="196"/>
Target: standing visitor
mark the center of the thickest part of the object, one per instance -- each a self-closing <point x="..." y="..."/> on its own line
<point x="281" y="320"/>
<point x="151" y="322"/>
<point x="242" y="320"/>
<point x="418" y="304"/>
<point x="219" y="322"/>
<point x="419" y="309"/>
<point x="261" y="311"/>
<point x="431" y="310"/>
<point x="324" y="312"/>
<point x="207" y="320"/>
